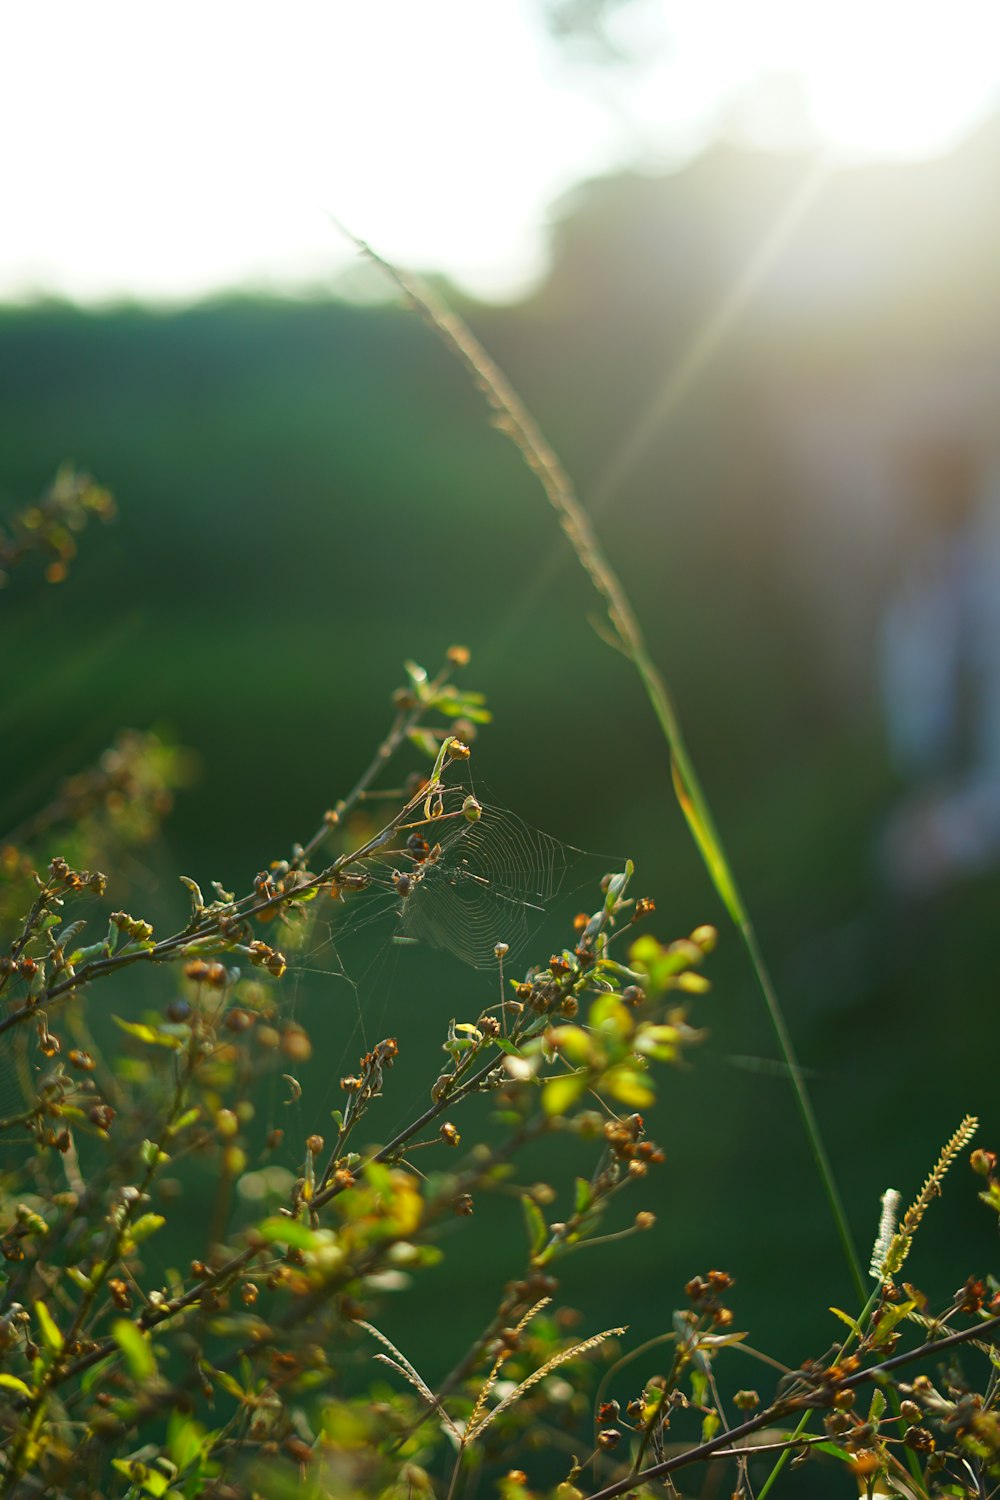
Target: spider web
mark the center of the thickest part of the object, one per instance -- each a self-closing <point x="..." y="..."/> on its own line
<point x="476" y="884"/>
<point x="487" y="882"/>
<point x="473" y="885"/>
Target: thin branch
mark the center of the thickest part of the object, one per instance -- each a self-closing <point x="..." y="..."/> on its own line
<point x="780" y="1410"/>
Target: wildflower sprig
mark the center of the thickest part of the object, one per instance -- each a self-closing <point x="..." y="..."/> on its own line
<point x="365" y="1214"/>
<point x="49" y="527"/>
<point x="226" y="923"/>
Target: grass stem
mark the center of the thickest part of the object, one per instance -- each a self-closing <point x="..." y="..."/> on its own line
<point x="512" y="417"/>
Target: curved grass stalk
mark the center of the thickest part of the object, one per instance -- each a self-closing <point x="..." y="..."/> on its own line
<point x="511" y="416"/>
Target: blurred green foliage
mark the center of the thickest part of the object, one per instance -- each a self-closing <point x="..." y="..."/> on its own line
<point x="309" y="494"/>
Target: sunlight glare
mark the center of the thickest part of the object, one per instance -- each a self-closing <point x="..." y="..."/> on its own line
<point x="165" y="154"/>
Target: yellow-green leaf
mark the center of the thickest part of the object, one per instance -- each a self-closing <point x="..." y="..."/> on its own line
<point x="560" y="1094"/>
<point x="51" y="1337"/>
<point x="11" y="1383"/>
<point x="145" y="1226"/>
<point x="227" y="1382"/>
<point x="852" y="1323"/>
<point x="537" y="1229"/>
<point x="888" y="1320"/>
<point x="424" y="741"/>
<point x="700" y="824"/>
<point x="629" y="1087"/>
<point x="149" y="1034"/>
<point x="151" y="1481"/>
<point x="151" y="1154"/>
<point x="136" y="1348"/>
<point x="610" y="1016"/>
<point x="288" y="1232"/>
<point x="575" y="1044"/>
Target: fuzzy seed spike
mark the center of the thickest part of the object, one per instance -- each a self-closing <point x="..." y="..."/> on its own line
<point x="498" y="1363"/>
<point x="409" y="1374"/>
<point x="888" y="1219"/>
<point x="932" y="1186"/>
<point x="540" y="1374"/>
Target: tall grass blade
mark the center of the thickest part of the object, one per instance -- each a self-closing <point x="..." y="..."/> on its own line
<point x="511" y="416"/>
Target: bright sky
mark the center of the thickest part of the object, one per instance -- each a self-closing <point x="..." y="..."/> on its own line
<point x="166" y="151"/>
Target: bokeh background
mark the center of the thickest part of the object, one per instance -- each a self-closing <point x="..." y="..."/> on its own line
<point x="744" y="274"/>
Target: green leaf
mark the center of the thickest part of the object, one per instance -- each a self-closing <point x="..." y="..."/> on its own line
<point x="51" y="1337"/>
<point x="560" y="1094"/>
<point x="583" y="1196"/>
<point x="617" y="886"/>
<point x="832" y="1450"/>
<point x="91" y="950"/>
<point x="194" y="891"/>
<point x="507" y="1046"/>
<point x="537" y="1228"/>
<point x="136" y="1348"/>
<point x="877" y="1409"/>
<point x="187" y="1440"/>
<point x="619" y="971"/>
<point x="718" y="1340"/>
